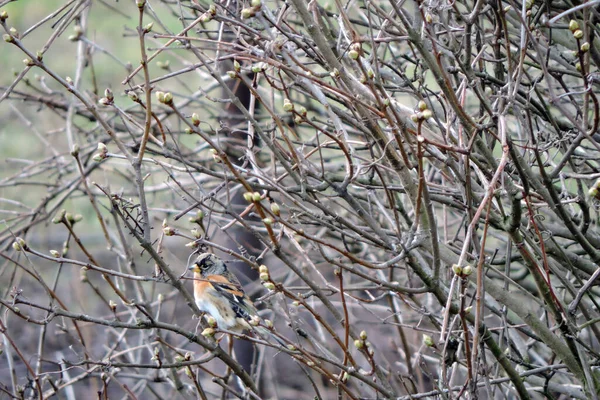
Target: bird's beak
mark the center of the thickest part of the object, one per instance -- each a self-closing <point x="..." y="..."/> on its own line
<point x="192" y="267"/>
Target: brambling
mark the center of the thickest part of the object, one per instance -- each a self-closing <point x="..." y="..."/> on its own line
<point x="218" y="292"/>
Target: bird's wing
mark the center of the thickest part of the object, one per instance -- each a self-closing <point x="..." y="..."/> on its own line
<point x="233" y="292"/>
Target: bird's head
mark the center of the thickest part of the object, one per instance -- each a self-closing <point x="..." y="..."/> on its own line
<point x="208" y="264"/>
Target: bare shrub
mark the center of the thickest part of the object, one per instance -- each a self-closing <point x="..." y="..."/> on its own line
<point x="419" y="179"/>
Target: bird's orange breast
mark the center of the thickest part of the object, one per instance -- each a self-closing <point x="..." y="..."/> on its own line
<point x="201" y="285"/>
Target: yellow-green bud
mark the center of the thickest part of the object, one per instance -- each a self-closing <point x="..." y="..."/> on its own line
<point x="427" y="114"/>
<point x="264" y="276"/>
<point x="457" y="269"/>
<point x="168" y="99"/>
<point x="256" y="197"/>
<point x="578" y="34"/>
<point x="58" y="218"/>
<point x="359" y="344"/>
<point x="268" y="221"/>
<point x="428" y="341"/>
<point x="160" y="96"/>
<point x="102" y="148"/>
<point x="168" y="231"/>
<point x="232" y="74"/>
<point x="422" y="105"/>
<point x="206" y="17"/>
<point x="275" y="209"/>
<point x="75" y="150"/>
<point x="248" y="13"/>
<point x="112" y="305"/>
<point x="195" y="119"/>
<point x="109" y="94"/>
<point x="268" y="324"/>
<point x="287" y="105"/>
<point x="269" y="285"/>
<point x="363" y="335"/>
<point x="55" y="253"/>
<point x="211" y="322"/>
<point x="208" y="332"/>
<point x="236" y="66"/>
<point x="254" y="321"/>
<point x="353" y="54"/>
<point x="248" y="197"/>
<point x="263" y="269"/>
<point x="256" y="3"/>
<point x="573" y="25"/>
<point x="467" y="270"/>
<point x="585" y="47"/>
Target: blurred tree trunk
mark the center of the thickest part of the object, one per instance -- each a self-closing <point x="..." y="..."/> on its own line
<point x="235" y="126"/>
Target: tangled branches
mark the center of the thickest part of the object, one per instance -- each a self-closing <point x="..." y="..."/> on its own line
<point x="419" y="179"/>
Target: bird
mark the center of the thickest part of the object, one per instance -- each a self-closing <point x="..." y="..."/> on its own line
<point x="218" y="292"/>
